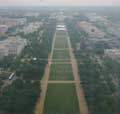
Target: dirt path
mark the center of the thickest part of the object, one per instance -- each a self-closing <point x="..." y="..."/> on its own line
<point x="44" y="83"/>
<point x="66" y="82"/>
<point x="80" y="93"/>
<point x="62" y="63"/>
<point x="61" y="48"/>
<point x="60" y="59"/>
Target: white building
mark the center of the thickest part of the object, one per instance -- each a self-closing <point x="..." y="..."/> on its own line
<point x="112" y="53"/>
<point x="3" y="29"/>
<point x="32" y="27"/>
<point x="61" y="27"/>
<point x="12" y="46"/>
<point x="12" y="21"/>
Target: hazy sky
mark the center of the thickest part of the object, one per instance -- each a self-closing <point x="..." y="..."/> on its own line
<point x="59" y="2"/>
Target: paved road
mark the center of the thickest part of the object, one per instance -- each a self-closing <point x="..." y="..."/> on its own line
<point x="61" y="82"/>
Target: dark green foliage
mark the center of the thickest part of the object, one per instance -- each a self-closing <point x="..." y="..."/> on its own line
<point x="98" y="48"/>
<point x="20" y="97"/>
<point x="98" y="90"/>
<point x="1" y="83"/>
<point x="72" y="30"/>
<point x="33" y="70"/>
<point x="30" y="71"/>
<point x="95" y="78"/>
<point x="6" y="62"/>
<point x="76" y="35"/>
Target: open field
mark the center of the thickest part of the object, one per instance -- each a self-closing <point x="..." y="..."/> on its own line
<point x="61" y="72"/>
<point x="61" y="33"/>
<point x="61" y="43"/>
<point x="64" y="94"/>
<point x="61" y="54"/>
<point x="61" y="99"/>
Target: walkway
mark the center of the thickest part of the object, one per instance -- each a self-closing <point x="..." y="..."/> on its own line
<point x="45" y="81"/>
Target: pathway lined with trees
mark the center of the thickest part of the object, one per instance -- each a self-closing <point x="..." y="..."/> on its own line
<point x="80" y="93"/>
<point x="44" y="83"/>
<point x="65" y="57"/>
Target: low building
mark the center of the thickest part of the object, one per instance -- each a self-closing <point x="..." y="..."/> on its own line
<point x="61" y="27"/>
<point x="92" y="30"/>
<point x="32" y="27"/>
<point x="12" y="46"/>
<point x="12" y="21"/>
<point x="3" y="29"/>
<point x="112" y="53"/>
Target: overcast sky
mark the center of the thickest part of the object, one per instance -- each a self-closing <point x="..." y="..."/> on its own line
<point x="59" y="2"/>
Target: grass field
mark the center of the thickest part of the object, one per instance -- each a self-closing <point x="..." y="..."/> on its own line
<point x="61" y="99"/>
<point x="61" y="33"/>
<point x="61" y="54"/>
<point x="61" y="43"/>
<point x="61" y="72"/>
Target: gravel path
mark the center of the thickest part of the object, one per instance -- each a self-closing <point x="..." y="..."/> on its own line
<point x="79" y="89"/>
<point x="44" y="83"/>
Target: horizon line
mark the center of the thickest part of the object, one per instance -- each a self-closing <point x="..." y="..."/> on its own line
<point x="59" y="5"/>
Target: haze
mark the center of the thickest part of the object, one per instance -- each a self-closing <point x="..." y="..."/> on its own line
<point x="60" y="2"/>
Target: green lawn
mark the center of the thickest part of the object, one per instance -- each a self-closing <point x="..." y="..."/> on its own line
<point x="61" y="99"/>
<point x="60" y="33"/>
<point x="61" y="54"/>
<point x="61" y="72"/>
<point x="61" y="43"/>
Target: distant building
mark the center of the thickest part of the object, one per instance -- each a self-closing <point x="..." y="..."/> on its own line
<point x="60" y="17"/>
<point x="32" y="14"/>
<point x="12" y="21"/>
<point x="112" y="53"/>
<point x="93" y="17"/>
<point x="61" y="27"/>
<point x="12" y="46"/>
<point x="2" y="52"/>
<point x="3" y="29"/>
<point x="91" y="30"/>
<point x="78" y="46"/>
<point x="32" y="27"/>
